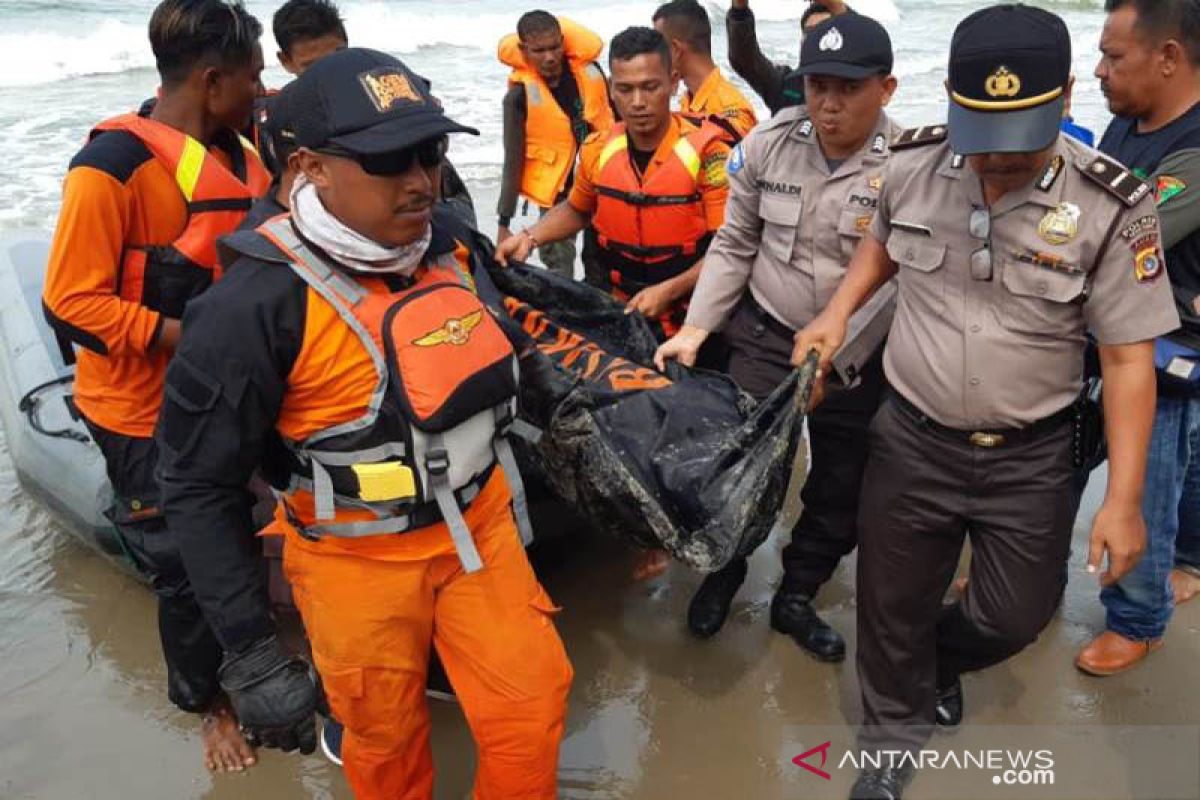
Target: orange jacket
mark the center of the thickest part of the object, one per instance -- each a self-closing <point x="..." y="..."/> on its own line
<point x="135" y="241"/>
<point x="719" y="101"/>
<point x="425" y="438"/>
<point x="550" y="147"/>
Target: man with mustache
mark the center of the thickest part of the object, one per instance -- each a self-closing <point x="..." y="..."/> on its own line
<point x="351" y="332"/>
<point x="1009" y="242"/>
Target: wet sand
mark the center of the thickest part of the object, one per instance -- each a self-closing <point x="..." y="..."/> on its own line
<point x="654" y="713"/>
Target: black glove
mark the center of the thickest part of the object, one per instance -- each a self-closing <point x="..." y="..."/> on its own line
<point x="274" y="695"/>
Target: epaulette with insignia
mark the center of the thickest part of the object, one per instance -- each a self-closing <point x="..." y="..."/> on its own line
<point x="1114" y="179"/>
<point x="918" y="137"/>
<point x="1046" y="182"/>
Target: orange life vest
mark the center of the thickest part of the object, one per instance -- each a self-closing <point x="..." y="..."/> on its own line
<point x="651" y="230"/>
<point x="550" y="145"/>
<point x="436" y="425"/>
<point x="164" y="278"/>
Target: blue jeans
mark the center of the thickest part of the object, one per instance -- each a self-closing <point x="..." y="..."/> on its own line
<point x="1140" y="605"/>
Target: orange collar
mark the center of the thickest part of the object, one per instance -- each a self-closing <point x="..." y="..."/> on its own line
<point x="698" y="103"/>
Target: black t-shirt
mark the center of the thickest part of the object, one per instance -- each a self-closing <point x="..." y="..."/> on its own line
<point x="567" y="95"/>
<point x="1169" y="160"/>
<point x="641" y="159"/>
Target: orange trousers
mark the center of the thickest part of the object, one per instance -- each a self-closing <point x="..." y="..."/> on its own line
<point x="371" y="621"/>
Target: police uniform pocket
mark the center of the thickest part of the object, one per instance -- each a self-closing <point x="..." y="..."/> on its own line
<point x="781" y="222"/>
<point x="1042" y="301"/>
<point x="915" y="251"/>
<point x="922" y="280"/>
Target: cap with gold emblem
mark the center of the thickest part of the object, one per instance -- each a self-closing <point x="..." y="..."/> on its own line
<point x="366" y="102"/>
<point x="1010" y="67"/>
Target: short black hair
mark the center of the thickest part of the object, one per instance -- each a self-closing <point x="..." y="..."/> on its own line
<point x="638" y="41"/>
<point x="687" y="20"/>
<point x="537" y="22"/>
<point x="814" y="8"/>
<point x="298" y="20"/>
<point x="185" y="34"/>
<point x="1161" y="20"/>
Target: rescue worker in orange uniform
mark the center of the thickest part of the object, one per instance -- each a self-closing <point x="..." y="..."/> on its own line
<point x="710" y="95"/>
<point x="557" y="97"/>
<point x="351" y="330"/>
<point x="143" y="204"/>
<point x="654" y="187"/>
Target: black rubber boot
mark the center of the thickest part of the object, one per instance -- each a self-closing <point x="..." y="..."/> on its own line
<point x="792" y="613"/>
<point x="710" y="605"/>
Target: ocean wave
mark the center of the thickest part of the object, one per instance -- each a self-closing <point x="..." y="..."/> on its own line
<point x="115" y="45"/>
<point x="37" y="57"/>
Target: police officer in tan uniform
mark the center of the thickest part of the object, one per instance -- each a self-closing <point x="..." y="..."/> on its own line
<point x="803" y="190"/>
<point x="1009" y="242"/>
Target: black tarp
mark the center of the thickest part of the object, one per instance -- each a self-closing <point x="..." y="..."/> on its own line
<point x="683" y="460"/>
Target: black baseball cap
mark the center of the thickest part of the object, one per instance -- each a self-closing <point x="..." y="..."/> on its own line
<point x="274" y="118"/>
<point x="366" y="102"/>
<point x="849" y="46"/>
<point x="1010" y="66"/>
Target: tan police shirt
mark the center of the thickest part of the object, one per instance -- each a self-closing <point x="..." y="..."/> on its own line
<point x="1077" y="250"/>
<point x="791" y="225"/>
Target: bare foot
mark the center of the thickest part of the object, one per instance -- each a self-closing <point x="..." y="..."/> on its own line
<point x="225" y="749"/>
<point x="1184" y="585"/>
<point x="960" y="584"/>
<point x="650" y="564"/>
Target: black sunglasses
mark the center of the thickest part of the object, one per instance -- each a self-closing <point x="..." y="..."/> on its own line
<point x="428" y="153"/>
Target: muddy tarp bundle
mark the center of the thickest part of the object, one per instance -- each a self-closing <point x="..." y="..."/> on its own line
<point x="683" y="460"/>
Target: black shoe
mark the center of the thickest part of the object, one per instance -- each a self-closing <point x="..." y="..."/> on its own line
<point x="792" y="613"/>
<point x="948" y="711"/>
<point x="710" y="605"/>
<point x="886" y="783"/>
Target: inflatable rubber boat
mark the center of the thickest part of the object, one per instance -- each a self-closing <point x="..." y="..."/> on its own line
<point x="54" y="458"/>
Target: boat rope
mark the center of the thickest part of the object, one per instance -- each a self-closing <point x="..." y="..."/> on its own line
<point x="29" y="405"/>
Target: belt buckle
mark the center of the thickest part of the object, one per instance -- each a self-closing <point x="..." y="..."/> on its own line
<point x="980" y="439"/>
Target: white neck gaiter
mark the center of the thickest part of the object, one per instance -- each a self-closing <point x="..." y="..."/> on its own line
<point x="348" y="247"/>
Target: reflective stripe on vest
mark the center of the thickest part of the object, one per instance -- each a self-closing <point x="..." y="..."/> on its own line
<point x="217" y="198"/>
<point x="446" y="468"/>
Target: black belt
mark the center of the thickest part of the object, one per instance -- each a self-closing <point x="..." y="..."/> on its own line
<point x="766" y="318"/>
<point x="990" y="438"/>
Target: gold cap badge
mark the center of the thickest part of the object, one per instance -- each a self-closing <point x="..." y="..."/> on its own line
<point x="1002" y="83"/>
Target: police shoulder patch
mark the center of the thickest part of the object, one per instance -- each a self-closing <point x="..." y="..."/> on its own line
<point x="918" y="137"/>
<point x="1113" y="178"/>
<point x="737" y="160"/>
